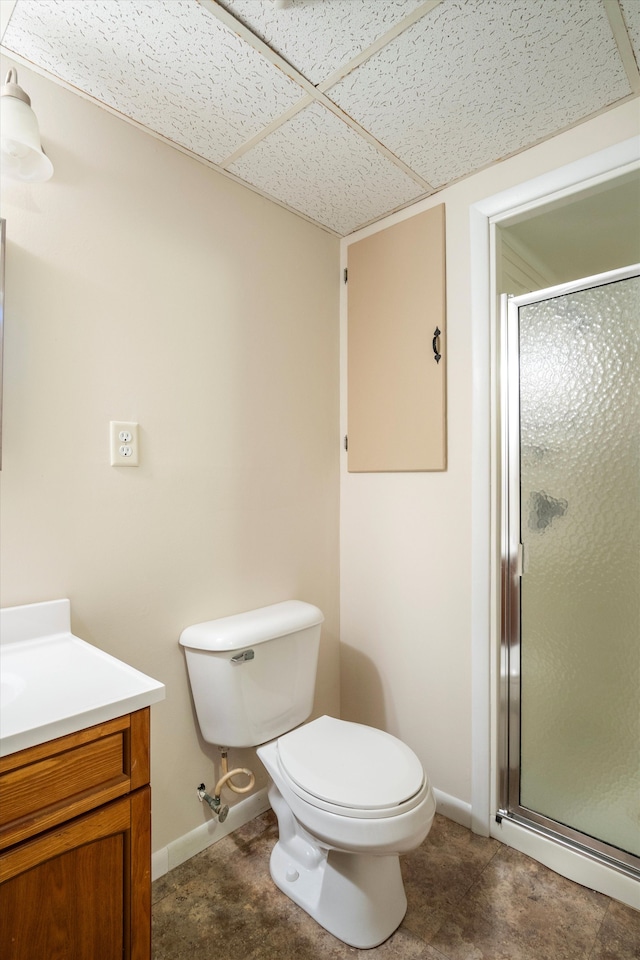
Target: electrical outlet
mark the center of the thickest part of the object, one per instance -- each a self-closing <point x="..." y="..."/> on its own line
<point x="123" y="443"/>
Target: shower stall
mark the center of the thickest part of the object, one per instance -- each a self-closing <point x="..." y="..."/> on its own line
<point x="570" y="590"/>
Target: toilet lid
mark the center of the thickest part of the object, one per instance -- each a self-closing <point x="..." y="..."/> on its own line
<point x="350" y="765"/>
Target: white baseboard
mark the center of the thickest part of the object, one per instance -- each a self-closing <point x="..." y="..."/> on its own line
<point x="210" y="832"/>
<point x="207" y="833"/>
<point x="454" y="809"/>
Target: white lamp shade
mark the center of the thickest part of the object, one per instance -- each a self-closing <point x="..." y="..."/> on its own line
<point x="22" y="155"/>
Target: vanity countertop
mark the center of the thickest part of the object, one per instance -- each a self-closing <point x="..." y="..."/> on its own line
<point x="53" y="683"/>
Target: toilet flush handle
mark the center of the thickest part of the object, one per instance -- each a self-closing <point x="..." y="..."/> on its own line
<point x="243" y="657"/>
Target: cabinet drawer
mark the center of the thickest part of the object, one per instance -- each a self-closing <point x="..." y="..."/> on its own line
<point x="54" y="782"/>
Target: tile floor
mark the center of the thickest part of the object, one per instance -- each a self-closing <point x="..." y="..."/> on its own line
<point x="470" y="898"/>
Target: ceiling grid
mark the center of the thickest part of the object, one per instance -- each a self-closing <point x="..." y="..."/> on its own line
<point x="341" y="110"/>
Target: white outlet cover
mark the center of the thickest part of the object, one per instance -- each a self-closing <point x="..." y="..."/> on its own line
<point x="123" y="451"/>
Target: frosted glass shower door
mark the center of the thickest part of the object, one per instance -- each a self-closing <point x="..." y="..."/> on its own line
<point x="574" y="518"/>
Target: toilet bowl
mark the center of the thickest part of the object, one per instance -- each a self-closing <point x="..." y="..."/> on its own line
<point x="349" y="799"/>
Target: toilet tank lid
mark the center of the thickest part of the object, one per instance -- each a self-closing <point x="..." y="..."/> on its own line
<point x="255" y="626"/>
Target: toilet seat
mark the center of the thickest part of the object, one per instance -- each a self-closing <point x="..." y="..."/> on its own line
<point x="351" y="769"/>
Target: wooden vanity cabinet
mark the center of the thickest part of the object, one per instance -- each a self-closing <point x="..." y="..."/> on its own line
<point x="75" y="846"/>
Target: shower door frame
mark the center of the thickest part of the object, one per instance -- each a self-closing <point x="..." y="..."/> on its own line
<point x="511" y="570"/>
<point x="489" y="213"/>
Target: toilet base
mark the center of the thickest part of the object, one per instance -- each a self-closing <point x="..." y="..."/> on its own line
<point x="360" y="899"/>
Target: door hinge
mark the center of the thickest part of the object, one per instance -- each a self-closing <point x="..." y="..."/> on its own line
<point x="345" y="274"/>
<point x="346" y="442"/>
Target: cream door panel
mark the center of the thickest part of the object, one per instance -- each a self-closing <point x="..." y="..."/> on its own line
<point x="396" y="331"/>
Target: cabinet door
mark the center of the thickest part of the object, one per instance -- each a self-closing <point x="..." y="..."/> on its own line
<point x="396" y="329"/>
<point x="81" y="891"/>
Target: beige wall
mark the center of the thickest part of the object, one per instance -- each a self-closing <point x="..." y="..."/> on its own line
<point x="406" y="538"/>
<point x="143" y="286"/>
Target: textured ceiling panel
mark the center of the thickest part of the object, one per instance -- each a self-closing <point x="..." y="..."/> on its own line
<point x="319" y="38"/>
<point x="165" y="63"/>
<point x="315" y="163"/>
<point x="429" y="91"/>
<point x="631" y="15"/>
<point x="477" y="80"/>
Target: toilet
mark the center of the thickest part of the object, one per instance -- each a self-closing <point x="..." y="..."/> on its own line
<point x="349" y="799"/>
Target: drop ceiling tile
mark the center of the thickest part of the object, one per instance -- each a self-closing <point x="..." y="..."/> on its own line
<point x="166" y="64"/>
<point x="319" y="38"/>
<point x="476" y="80"/>
<point x="318" y="165"/>
<point x="631" y="15"/>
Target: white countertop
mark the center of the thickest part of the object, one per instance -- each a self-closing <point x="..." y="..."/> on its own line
<point x="53" y="683"/>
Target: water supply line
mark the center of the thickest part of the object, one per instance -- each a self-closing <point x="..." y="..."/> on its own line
<point x="227" y="774"/>
<point x="214" y="802"/>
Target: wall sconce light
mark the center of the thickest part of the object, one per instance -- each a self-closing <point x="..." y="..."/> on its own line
<point x="22" y="155"/>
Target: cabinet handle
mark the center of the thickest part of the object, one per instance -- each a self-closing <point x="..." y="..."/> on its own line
<point x="437" y="356"/>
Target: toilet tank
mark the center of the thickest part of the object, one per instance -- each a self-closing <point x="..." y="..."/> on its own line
<point x="253" y="674"/>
